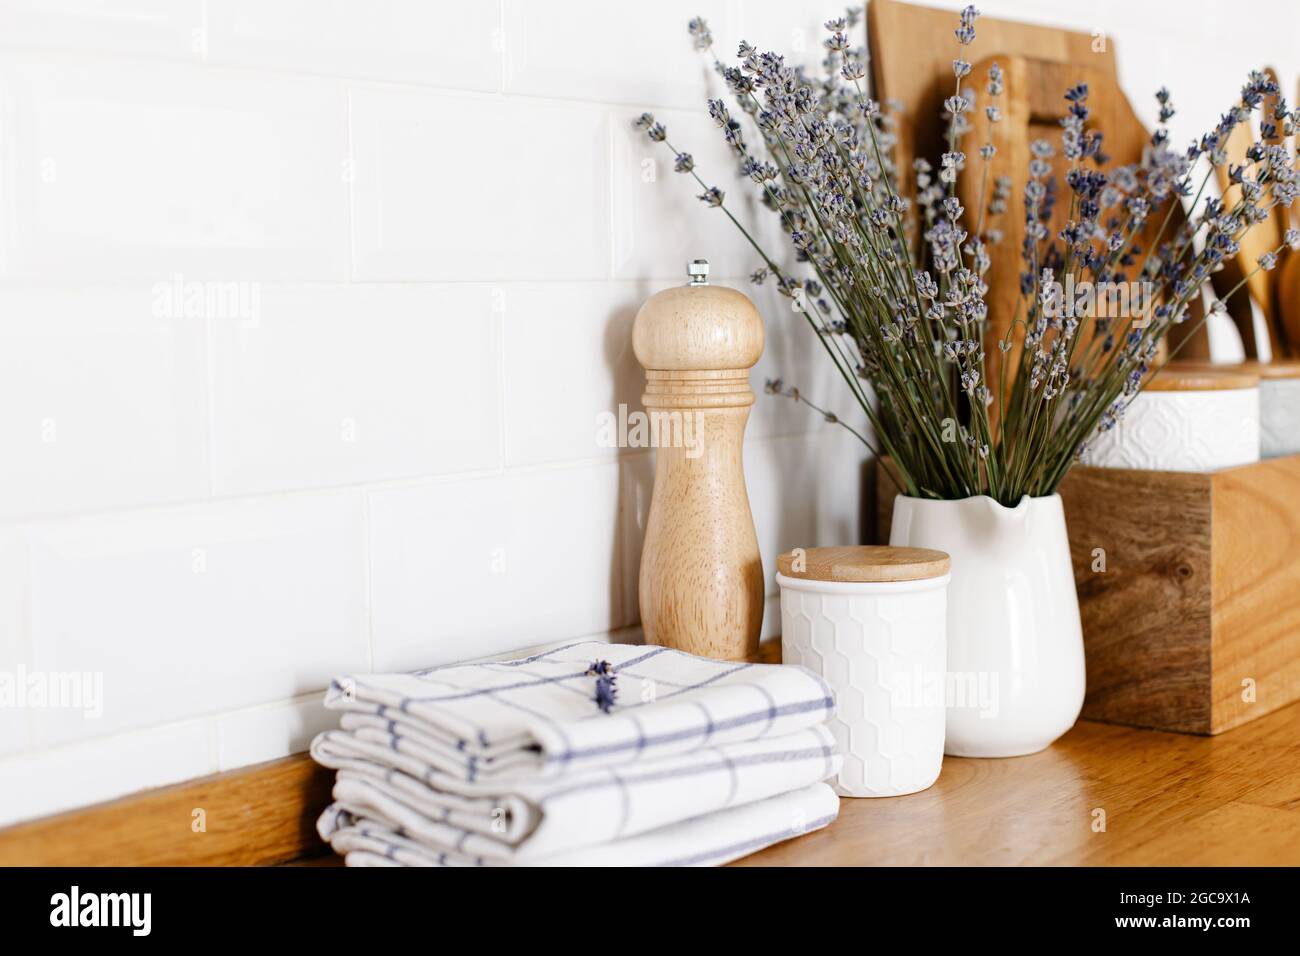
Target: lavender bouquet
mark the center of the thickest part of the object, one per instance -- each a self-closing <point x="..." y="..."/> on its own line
<point x="895" y="289"/>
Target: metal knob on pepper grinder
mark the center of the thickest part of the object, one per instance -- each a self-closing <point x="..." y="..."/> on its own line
<point x="701" y="583"/>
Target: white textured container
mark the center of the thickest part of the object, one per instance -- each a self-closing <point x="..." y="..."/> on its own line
<point x="1015" y="642"/>
<point x="1279" y="414"/>
<point x="871" y="622"/>
<point x="1279" y="405"/>
<point x="1185" y="420"/>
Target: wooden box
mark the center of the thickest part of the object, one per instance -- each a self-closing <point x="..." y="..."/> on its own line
<point x="1189" y="589"/>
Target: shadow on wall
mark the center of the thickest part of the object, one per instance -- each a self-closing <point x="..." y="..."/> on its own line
<point x="636" y="474"/>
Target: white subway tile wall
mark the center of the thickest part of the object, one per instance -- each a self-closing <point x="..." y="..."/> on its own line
<point x="102" y="403"/>
<point x="126" y="169"/>
<point x="308" y="313"/>
<point x="149" y="28"/>
<point x="589" y="50"/>
<point x="657" y="214"/>
<point x="473" y="567"/>
<point x="337" y="385"/>
<point x="548" y="405"/>
<point x="197" y="609"/>
<point x="458" y="46"/>
<point x="440" y="180"/>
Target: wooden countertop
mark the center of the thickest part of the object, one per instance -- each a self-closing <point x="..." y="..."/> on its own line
<point x="1167" y="799"/>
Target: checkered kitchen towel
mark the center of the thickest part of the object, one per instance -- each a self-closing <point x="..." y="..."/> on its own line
<point x="709" y="840"/>
<point x="513" y="762"/>
<point x="486" y="822"/>
<point x="510" y="720"/>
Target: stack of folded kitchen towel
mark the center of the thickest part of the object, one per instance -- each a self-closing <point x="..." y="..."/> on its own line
<point x="588" y="754"/>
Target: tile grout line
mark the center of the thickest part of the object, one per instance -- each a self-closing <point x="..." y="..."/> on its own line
<point x="210" y="408"/>
<point x="503" y="444"/>
<point x="503" y="68"/>
<point x="367" y="579"/>
<point x="214" y="745"/>
<point x="612" y="198"/>
<point x="350" y="218"/>
<point x="209" y="721"/>
<point x="205" y="63"/>
<point x="80" y="284"/>
<point x="377" y="485"/>
<point x="205" y="27"/>
<point x="198" y="720"/>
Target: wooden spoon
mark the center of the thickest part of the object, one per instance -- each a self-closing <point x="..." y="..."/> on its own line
<point x="1288" y="304"/>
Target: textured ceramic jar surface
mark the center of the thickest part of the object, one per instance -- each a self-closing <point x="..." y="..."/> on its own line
<point x="881" y="647"/>
<point x="1015" y="643"/>
<point x="1279" y="417"/>
<point x="1182" y="431"/>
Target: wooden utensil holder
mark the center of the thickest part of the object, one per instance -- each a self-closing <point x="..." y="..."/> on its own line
<point x="1189" y="589"/>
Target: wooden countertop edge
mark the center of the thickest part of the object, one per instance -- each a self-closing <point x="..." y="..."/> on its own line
<point x="259" y="815"/>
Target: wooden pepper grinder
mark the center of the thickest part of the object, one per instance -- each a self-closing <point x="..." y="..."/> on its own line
<point x="701" y="584"/>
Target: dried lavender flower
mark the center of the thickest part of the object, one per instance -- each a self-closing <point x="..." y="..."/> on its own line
<point x="699" y="30"/>
<point x="606" y="690"/>
<point x="899" y="294"/>
<point x="712" y="197"/>
<point x="655" y="131"/>
<point x="965" y="31"/>
<point x="995" y="79"/>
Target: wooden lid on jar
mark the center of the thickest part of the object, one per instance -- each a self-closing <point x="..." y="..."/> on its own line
<point x="1278" y="368"/>
<point x="865" y="564"/>
<point x="1188" y="377"/>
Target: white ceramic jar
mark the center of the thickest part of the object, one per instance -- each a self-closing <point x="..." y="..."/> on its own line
<point x="1279" y="405"/>
<point x="1279" y="409"/>
<point x="871" y="622"/>
<point x="1185" y="419"/>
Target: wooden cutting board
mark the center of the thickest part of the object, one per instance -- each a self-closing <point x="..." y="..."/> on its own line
<point x="912" y="49"/>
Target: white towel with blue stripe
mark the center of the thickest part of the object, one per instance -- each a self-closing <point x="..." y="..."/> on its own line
<point x="528" y="819"/>
<point x="710" y="840"/>
<point x="537" y="716"/>
<point x="514" y="762"/>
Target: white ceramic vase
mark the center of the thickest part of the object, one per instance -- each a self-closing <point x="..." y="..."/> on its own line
<point x="1015" y="645"/>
